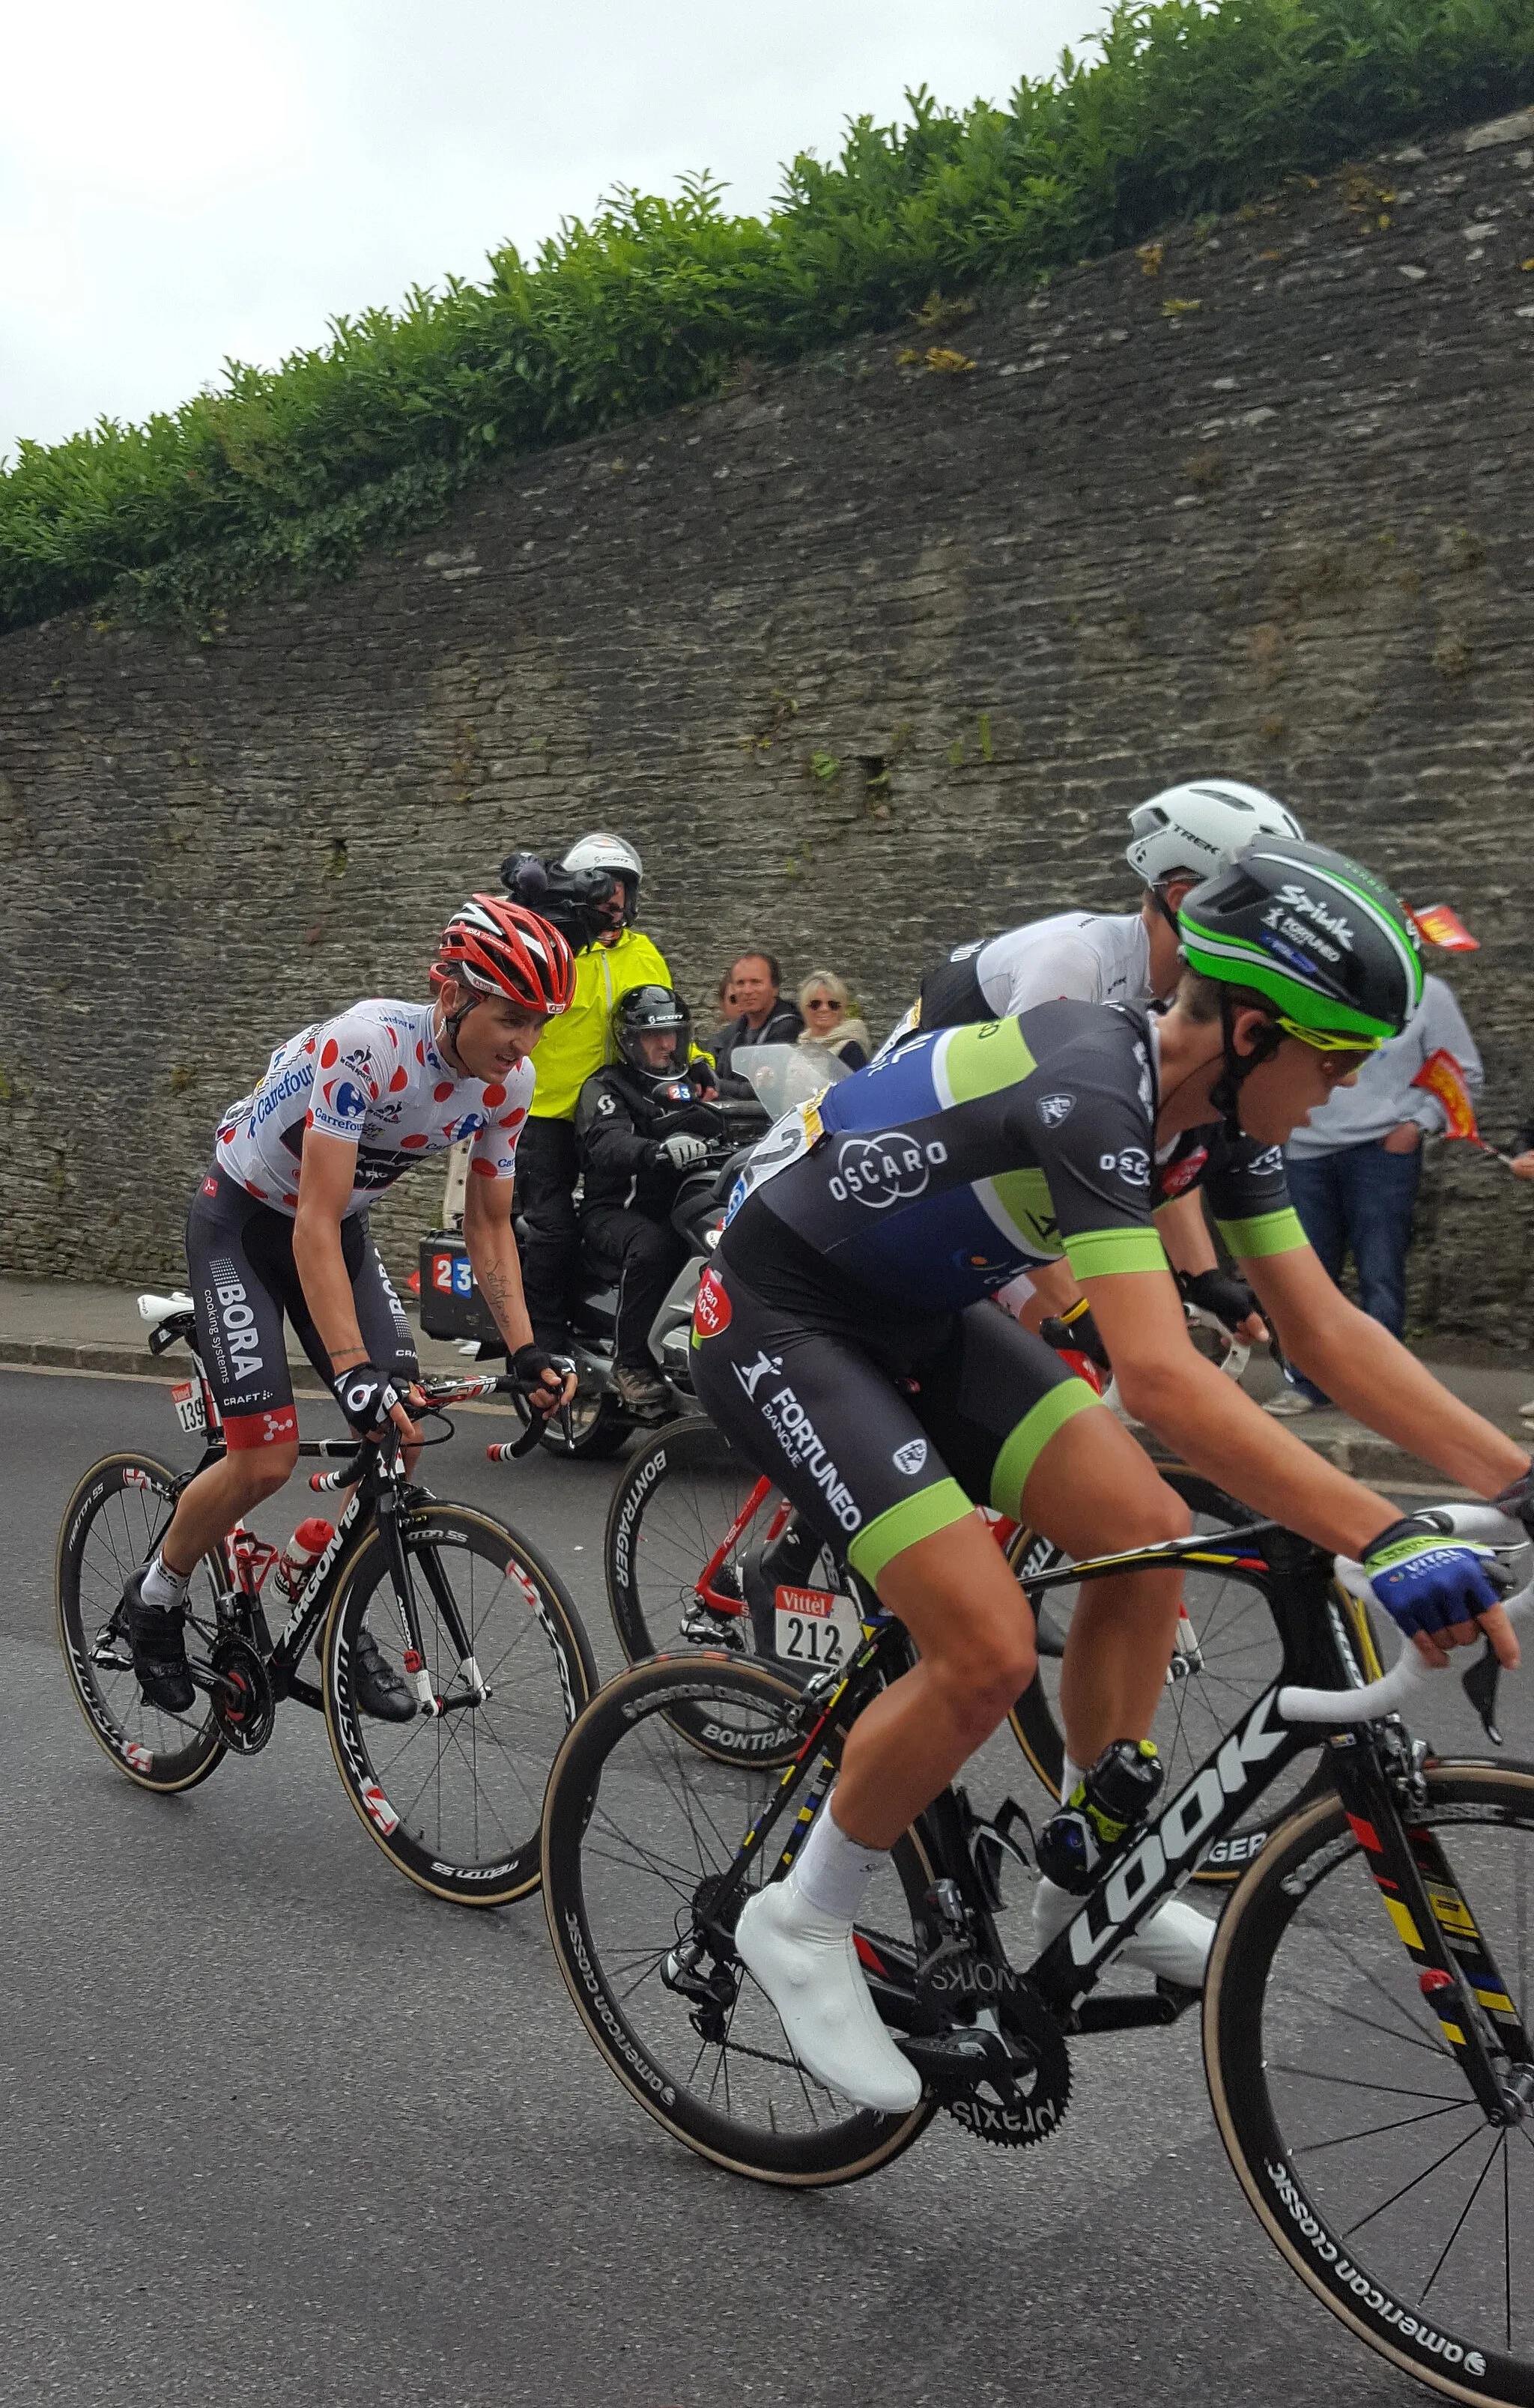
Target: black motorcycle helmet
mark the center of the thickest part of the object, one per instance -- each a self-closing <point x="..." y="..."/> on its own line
<point x="652" y="1012"/>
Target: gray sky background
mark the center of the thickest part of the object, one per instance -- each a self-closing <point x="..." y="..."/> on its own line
<point x="191" y="180"/>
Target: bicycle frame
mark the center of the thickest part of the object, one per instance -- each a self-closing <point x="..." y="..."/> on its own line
<point x="374" y="1472"/>
<point x="1373" y="1764"/>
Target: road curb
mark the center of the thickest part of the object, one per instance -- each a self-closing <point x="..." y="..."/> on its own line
<point x="1358" y="1451"/>
<point x="55" y="1354"/>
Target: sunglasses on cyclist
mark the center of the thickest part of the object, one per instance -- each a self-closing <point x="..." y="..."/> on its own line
<point x="1340" y="1054"/>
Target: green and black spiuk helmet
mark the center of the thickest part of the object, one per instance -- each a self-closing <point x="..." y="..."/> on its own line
<point x="1329" y="947"/>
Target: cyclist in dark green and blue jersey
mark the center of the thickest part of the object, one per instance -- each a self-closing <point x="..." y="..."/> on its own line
<point x="845" y="1344"/>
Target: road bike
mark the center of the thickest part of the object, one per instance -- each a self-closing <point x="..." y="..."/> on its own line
<point x="477" y="1624"/>
<point x="1366" y="2012"/>
<point x="689" y="1524"/>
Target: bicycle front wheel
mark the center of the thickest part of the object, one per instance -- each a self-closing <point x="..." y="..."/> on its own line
<point x="117" y="1514"/>
<point x="453" y="1797"/>
<point x="640" y="1828"/>
<point x="1343" y="2110"/>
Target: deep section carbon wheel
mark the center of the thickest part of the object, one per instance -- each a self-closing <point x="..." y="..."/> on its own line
<point x="683" y="1508"/>
<point x="453" y="1796"/>
<point x="1226" y="1653"/>
<point x="1345" y="2111"/>
<point x="114" y="1518"/>
<point x="640" y="1828"/>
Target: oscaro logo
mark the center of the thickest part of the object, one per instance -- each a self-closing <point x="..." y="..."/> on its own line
<point x="879" y="1172"/>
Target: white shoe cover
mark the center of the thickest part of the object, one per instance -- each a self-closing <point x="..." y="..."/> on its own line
<point x="807" y="1963"/>
<point x="1173" y="1943"/>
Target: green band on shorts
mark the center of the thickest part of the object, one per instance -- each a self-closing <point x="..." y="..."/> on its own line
<point x="1027" y="1442"/>
<point x="899" y="1526"/>
<point x="1093" y="1253"/>
<point x="1267" y="1233"/>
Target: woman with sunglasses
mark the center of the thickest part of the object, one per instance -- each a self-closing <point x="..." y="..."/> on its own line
<point x="845" y="1348"/>
<point x="826" y="1004"/>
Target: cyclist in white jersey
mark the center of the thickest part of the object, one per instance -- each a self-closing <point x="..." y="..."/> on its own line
<point x="1179" y="838"/>
<point x="279" y="1230"/>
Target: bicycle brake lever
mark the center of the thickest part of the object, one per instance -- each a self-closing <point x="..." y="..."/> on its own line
<point x="1479" y="1686"/>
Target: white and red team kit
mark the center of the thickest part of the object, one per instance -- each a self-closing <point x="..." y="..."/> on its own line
<point x="374" y="1077"/>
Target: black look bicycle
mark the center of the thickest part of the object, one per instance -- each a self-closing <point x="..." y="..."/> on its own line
<point x="479" y="1627"/>
<point x="690" y="1523"/>
<point x="1366" y="2014"/>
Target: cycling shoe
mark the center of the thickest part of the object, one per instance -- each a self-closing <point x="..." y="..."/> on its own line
<point x="807" y="1965"/>
<point x="1173" y="1943"/>
<point x="376" y="1686"/>
<point x="157" y="1641"/>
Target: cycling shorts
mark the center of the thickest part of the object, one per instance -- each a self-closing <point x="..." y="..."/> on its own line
<point x="879" y="1430"/>
<point x="244" y="1280"/>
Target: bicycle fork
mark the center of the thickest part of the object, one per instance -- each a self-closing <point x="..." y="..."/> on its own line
<point x="473" y="1691"/>
<point x="1457" y="1974"/>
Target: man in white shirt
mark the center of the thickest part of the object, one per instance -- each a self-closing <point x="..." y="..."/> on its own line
<point x="1355" y="1171"/>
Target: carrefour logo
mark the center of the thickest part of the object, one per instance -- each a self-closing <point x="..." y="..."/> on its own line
<point x="878" y="1171"/>
<point x="347" y="1101"/>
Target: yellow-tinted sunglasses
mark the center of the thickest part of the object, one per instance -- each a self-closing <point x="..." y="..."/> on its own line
<point x="1329" y="1040"/>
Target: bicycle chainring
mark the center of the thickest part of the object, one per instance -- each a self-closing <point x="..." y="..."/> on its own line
<point x="1013" y="2109"/>
<point x="245" y="1704"/>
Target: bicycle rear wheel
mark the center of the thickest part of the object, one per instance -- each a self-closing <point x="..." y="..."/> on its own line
<point x="113" y="1520"/>
<point x="638" y="1826"/>
<point x="1343" y="2108"/>
<point x="454" y="1798"/>
<point x="1228" y="1650"/>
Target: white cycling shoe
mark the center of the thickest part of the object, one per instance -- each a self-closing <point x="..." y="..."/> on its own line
<point x="1173" y="1943"/>
<point x="807" y="1963"/>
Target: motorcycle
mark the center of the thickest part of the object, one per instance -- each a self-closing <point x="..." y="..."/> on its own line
<point x="783" y="1078"/>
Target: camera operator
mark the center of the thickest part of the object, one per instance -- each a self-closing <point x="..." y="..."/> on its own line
<point x="592" y="896"/>
<point x="641" y="1126"/>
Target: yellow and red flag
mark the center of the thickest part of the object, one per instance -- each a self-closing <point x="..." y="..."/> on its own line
<point x="1444" y="1077"/>
<point x="1442" y="926"/>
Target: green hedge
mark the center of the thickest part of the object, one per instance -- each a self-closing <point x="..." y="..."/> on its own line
<point x="282" y="476"/>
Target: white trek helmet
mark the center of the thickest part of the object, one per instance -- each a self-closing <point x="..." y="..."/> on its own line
<point x="613" y="853"/>
<point x="1201" y="827"/>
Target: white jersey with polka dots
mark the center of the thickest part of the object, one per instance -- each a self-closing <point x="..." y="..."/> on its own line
<point x="373" y="1077"/>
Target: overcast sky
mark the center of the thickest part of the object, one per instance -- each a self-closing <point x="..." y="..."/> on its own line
<point x="189" y="179"/>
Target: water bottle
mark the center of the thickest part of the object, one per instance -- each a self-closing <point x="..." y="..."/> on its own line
<point x="1105" y="1805"/>
<point x="301" y="1553"/>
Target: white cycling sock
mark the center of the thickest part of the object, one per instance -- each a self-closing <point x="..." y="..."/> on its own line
<point x="832" y="1872"/>
<point x="1070" y="1780"/>
<point x="161" y="1586"/>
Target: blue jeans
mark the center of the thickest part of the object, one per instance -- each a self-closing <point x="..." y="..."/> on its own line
<point x="1360" y="1199"/>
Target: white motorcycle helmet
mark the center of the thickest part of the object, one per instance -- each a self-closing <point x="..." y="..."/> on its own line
<point x="609" y="852"/>
<point x="1201" y="827"/>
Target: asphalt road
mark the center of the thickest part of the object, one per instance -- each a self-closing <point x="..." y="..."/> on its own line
<point x="282" y="2130"/>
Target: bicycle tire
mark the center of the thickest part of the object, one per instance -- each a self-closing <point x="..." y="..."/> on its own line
<point x="469" y="1829"/>
<point x="649" y="1576"/>
<point x="581" y="1886"/>
<point x="1186" y="1739"/>
<point x="135" y="1737"/>
<point x="1312" y="1869"/>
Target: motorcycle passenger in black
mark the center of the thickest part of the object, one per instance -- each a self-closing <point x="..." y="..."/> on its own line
<point x="641" y="1126"/>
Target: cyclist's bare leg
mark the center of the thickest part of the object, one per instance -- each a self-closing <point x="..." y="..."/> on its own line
<point x="966" y="1615"/>
<point x="222" y="1496"/>
<point x="1093" y="1491"/>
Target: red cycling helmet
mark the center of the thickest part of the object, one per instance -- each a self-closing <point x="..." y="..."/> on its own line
<point x="501" y="948"/>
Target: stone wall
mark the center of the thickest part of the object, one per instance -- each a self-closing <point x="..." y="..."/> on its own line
<point x="868" y="657"/>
